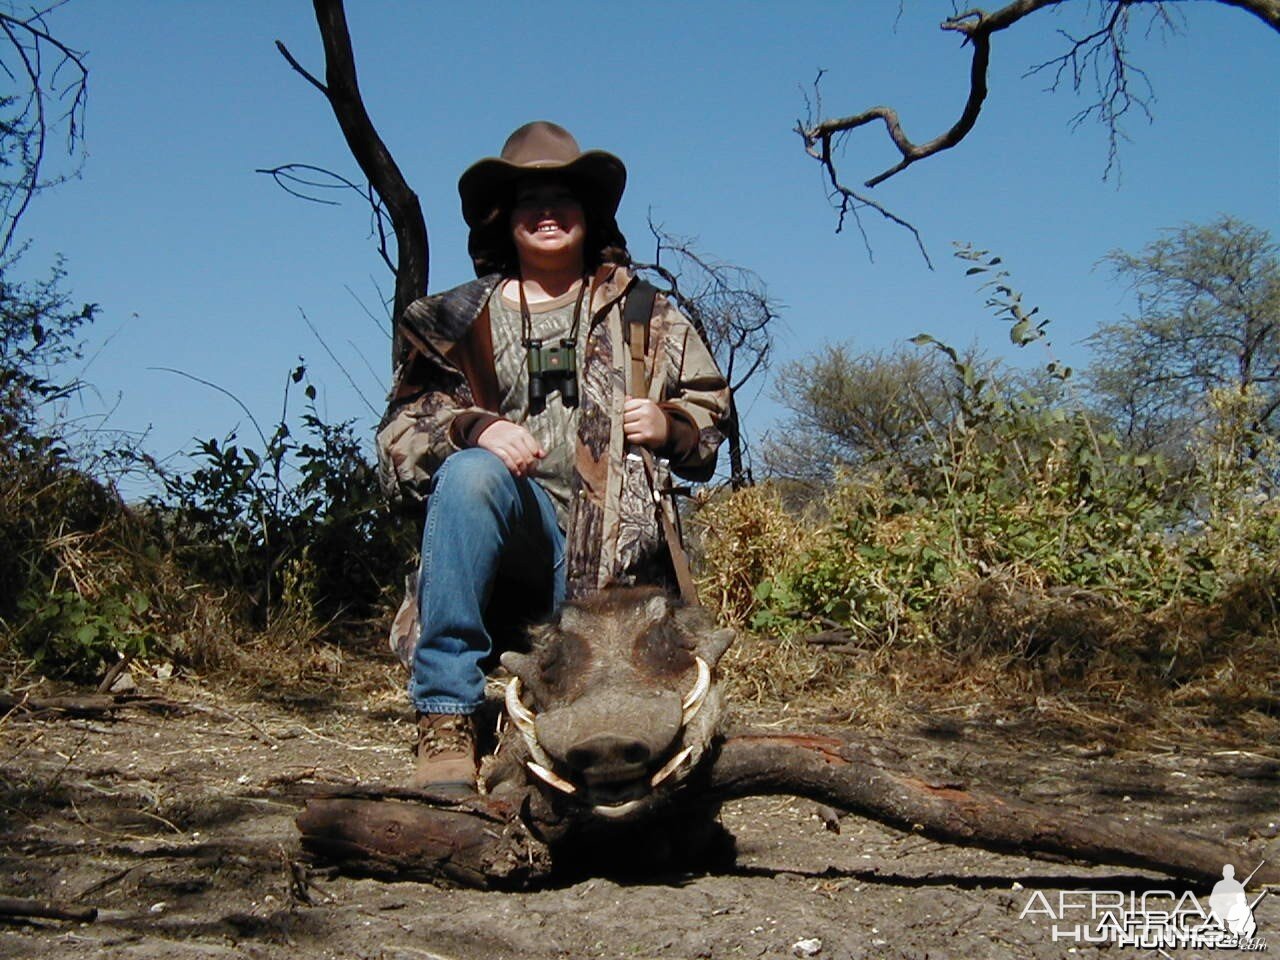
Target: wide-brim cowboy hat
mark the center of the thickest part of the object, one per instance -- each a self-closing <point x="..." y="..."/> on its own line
<point x="541" y="147"/>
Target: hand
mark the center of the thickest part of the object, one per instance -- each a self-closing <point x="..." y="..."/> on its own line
<point x="513" y="445"/>
<point x="643" y="422"/>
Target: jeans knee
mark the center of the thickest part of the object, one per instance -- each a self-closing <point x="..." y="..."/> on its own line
<point x="472" y="476"/>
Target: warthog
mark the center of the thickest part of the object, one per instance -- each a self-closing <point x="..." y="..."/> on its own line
<point x="609" y="714"/>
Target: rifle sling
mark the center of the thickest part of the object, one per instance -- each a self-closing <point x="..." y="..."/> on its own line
<point x="635" y="317"/>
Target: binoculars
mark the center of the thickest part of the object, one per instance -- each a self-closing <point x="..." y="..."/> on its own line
<point x="551" y="368"/>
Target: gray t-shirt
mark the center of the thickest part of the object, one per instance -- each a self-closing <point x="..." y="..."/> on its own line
<point x="555" y="427"/>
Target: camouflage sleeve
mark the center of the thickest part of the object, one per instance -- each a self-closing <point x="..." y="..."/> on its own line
<point x="416" y="434"/>
<point x="692" y="388"/>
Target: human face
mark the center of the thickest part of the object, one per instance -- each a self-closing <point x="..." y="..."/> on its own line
<point x="548" y="226"/>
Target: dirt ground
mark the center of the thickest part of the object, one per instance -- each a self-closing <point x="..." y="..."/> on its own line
<point x="178" y="827"/>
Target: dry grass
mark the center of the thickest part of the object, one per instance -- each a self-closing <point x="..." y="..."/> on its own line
<point x="984" y="641"/>
<point x="746" y="538"/>
<point x="1066" y="662"/>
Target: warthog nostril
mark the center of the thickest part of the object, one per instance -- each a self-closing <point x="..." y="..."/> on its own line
<point x="607" y="751"/>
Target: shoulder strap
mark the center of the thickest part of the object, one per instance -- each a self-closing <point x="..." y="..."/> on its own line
<point x="636" y="313"/>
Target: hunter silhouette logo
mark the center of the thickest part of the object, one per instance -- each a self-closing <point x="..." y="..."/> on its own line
<point x="1230" y="907"/>
<point x="1159" y="920"/>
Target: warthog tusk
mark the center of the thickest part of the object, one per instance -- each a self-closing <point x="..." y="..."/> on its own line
<point x="515" y="707"/>
<point x="670" y="767"/>
<point x="542" y="773"/>
<point x="524" y="720"/>
<point x="695" y="697"/>
<point x="614" y="812"/>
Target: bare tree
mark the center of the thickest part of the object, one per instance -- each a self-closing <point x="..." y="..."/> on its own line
<point x="387" y="188"/>
<point x="730" y="308"/>
<point x="1100" y="57"/>
<point x="50" y="84"/>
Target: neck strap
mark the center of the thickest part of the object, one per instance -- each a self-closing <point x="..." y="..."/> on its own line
<point x="526" y="321"/>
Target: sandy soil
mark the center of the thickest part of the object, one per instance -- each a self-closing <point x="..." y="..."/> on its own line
<point x="178" y="828"/>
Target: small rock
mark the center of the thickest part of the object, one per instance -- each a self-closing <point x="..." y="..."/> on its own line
<point x="123" y="683"/>
<point x="810" y="947"/>
<point x="829" y="817"/>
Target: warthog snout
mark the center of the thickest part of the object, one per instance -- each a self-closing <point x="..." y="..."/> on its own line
<point x="606" y="759"/>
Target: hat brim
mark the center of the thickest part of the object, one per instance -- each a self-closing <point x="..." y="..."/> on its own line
<point x="486" y="180"/>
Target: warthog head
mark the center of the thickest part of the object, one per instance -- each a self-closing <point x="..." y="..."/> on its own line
<point x="616" y="702"/>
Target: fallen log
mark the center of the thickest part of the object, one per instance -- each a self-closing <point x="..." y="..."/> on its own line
<point x="481" y="844"/>
<point x="511" y="843"/>
<point x="45" y="910"/>
<point x="86" y="706"/>
<point x="841" y="774"/>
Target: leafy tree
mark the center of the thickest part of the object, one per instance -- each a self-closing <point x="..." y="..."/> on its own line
<point x="897" y="408"/>
<point x="850" y="408"/>
<point x="1208" y="320"/>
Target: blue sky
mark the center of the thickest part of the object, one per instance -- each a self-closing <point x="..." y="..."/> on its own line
<point x="202" y="265"/>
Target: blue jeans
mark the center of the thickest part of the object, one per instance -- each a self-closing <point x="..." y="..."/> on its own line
<point x="485" y="528"/>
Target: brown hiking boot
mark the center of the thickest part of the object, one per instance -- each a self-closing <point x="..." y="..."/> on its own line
<point x="447" y="760"/>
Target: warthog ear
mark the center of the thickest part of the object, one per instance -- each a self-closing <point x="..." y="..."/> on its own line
<point x="655" y="609"/>
<point x="586" y="621"/>
<point x="711" y="646"/>
<point x="708" y="642"/>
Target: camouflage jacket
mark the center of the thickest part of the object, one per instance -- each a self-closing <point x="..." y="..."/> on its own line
<point x="446" y="369"/>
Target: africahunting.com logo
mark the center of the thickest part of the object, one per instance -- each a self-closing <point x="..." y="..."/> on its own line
<point x="1160" y="920"/>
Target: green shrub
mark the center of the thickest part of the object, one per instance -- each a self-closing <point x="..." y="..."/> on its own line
<point x="302" y="507"/>
<point x="1022" y="483"/>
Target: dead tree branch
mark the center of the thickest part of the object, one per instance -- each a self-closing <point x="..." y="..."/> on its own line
<point x="976" y="26"/>
<point x="1104" y="55"/>
<point x="44" y="71"/>
<point x="342" y="90"/>
<point x="850" y="202"/>
<point x="840" y="773"/>
<point x="508" y="843"/>
<point x="1101" y="54"/>
<point x="301" y="179"/>
<point x="22" y="907"/>
<point x="730" y="308"/>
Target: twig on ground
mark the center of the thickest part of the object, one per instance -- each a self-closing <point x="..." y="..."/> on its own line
<point x="298" y="884"/>
<point x="108" y="881"/>
<point x="117" y="668"/>
<point x="231" y="715"/>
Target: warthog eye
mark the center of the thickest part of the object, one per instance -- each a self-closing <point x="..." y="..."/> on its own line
<point x="564" y="664"/>
<point x="663" y="652"/>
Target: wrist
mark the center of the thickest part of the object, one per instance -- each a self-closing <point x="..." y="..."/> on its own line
<point x="481" y="425"/>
